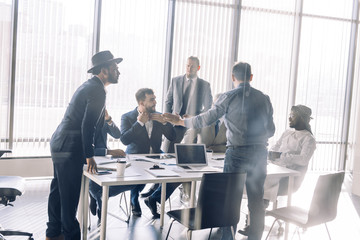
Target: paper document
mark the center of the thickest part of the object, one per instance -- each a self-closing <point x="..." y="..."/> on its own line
<point x="162" y="173"/>
<point x="111" y="166"/>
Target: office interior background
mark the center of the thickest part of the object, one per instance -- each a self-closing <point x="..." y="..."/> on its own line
<point x="301" y="52"/>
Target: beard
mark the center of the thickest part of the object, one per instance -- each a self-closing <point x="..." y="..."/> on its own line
<point x="150" y="109"/>
<point x="113" y="79"/>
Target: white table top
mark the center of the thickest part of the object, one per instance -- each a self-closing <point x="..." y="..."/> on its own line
<point x="137" y="174"/>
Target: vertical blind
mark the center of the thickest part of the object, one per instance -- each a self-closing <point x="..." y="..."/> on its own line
<point x="136" y="31"/>
<point x="355" y="110"/>
<point x="321" y="84"/>
<point x="5" y="37"/>
<point x="53" y="52"/>
<point x="266" y="44"/>
<point x="204" y="29"/>
<point x="54" y="47"/>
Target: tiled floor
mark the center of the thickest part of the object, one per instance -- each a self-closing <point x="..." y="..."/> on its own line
<point x="30" y="214"/>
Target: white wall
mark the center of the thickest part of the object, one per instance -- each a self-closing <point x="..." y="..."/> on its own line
<point x="26" y="167"/>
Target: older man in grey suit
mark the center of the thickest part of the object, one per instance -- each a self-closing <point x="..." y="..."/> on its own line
<point x="187" y="95"/>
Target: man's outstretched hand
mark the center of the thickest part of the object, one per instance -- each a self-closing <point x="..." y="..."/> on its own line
<point x="173" y="119"/>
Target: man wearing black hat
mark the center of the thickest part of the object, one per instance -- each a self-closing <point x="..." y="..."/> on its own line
<point x="72" y="145"/>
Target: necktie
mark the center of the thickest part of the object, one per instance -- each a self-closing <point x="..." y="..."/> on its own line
<point x="186" y="95"/>
<point x="217" y="125"/>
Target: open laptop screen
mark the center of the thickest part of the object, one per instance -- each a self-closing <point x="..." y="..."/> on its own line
<point x="190" y="154"/>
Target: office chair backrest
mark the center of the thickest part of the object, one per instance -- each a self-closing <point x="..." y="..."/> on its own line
<point x="219" y="200"/>
<point x="323" y="206"/>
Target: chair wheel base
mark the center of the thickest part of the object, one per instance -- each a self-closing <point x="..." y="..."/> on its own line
<point x="280" y="231"/>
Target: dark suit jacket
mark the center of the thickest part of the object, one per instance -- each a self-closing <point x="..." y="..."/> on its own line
<point x="136" y="137"/>
<point x="75" y="134"/>
<point x="101" y="137"/>
<point x="200" y="99"/>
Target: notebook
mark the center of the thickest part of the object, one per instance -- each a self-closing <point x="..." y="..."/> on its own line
<point x="192" y="158"/>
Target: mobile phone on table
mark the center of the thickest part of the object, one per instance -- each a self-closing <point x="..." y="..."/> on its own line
<point x="272" y="155"/>
<point x="103" y="172"/>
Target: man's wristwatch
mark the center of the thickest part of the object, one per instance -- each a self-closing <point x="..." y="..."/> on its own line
<point x="108" y="120"/>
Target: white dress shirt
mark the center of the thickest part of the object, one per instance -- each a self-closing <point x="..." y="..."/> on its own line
<point x="297" y="148"/>
<point x="149" y="127"/>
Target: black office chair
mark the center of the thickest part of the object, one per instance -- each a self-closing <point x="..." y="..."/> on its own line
<point x="218" y="204"/>
<point x="323" y="206"/>
<point x="2" y="151"/>
<point x="10" y="188"/>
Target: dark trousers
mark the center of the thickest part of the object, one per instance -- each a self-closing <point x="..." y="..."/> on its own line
<point x="64" y="196"/>
<point x="170" y="188"/>
<point x="252" y="161"/>
<point x="168" y="146"/>
<point x="96" y="192"/>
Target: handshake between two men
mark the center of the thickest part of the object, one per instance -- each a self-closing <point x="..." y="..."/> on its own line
<point x="174" y="119"/>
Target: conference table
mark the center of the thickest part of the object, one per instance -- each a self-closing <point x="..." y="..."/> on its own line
<point x="139" y="173"/>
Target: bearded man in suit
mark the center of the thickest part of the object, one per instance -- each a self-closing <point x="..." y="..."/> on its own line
<point x="72" y="145"/>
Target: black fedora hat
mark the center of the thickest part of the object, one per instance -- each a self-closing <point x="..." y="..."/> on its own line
<point x="102" y="58"/>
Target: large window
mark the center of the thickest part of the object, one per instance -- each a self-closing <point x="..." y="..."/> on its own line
<point x="322" y="76"/>
<point x="5" y="50"/>
<point x="266" y="42"/>
<point x="53" y="51"/>
<point x="136" y="31"/>
<point x="299" y="50"/>
<point x="204" y="29"/>
<point x="321" y="84"/>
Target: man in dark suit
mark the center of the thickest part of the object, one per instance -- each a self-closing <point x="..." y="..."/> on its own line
<point x="72" y="145"/>
<point x="187" y="95"/>
<point x="110" y="128"/>
<point x="142" y="129"/>
<point x="101" y="149"/>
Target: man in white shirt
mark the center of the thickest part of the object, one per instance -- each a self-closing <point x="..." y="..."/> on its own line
<point x="296" y="147"/>
<point x="293" y="150"/>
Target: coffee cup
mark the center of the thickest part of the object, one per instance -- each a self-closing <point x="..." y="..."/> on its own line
<point x="120" y="168"/>
<point x="209" y="153"/>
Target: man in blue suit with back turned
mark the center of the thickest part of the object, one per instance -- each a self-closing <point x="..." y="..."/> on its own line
<point x="72" y="145"/>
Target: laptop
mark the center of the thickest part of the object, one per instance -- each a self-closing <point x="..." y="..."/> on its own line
<point x="192" y="158"/>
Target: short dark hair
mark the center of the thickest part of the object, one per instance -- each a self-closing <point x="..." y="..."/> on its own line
<point x="97" y="70"/>
<point x="195" y="59"/>
<point x="140" y="95"/>
<point x="242" y="71"/>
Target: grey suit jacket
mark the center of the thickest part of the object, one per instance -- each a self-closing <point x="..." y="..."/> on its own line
<point x="200" y="97"/>
<point x="207" y="136"/>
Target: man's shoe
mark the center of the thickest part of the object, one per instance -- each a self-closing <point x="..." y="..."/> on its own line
<point x="92" y="205"/>
<point x="60" y="237"/>
<point x="151" y="190"/>
<point x="151" y="203"/>
<point x="148" y="193"/>
<point x="135" y="209"/>
<point x="244" y="231"/>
